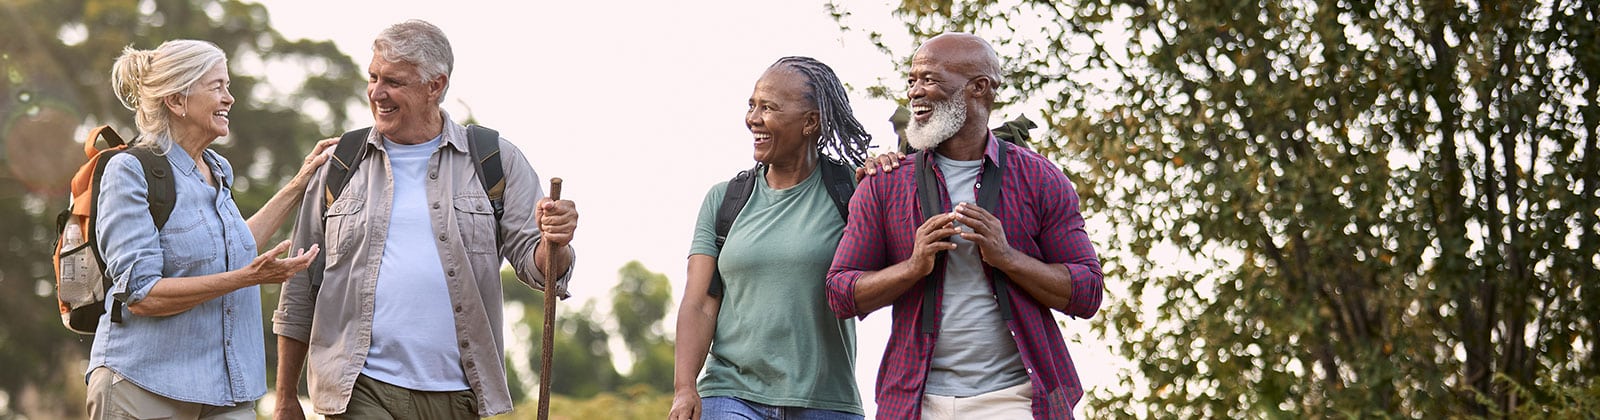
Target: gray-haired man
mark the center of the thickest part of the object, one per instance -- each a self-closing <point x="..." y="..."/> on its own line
<point x="407" y="320"/>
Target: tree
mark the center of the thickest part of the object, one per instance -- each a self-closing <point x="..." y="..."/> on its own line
<point x="583" y="363"/>
<point x="1389" y="209"/>
<point x="55" y="63"/>
<point x="640" y="302"/>
<point x="585" y="366"/>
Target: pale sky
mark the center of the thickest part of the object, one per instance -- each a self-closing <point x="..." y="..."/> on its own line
<point x="639" y="107"/>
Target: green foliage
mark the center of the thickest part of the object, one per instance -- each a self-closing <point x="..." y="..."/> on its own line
<point x="640" y="302"/>
<point x="1551" y="400"/>
<point x="582" y="363"/>
<point x="55" y="63"/>
<point x="1383" y="206"/>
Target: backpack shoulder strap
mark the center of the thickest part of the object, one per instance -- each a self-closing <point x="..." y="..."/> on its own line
<point x="989" y="199"/>
<point x="163" y="190"/>
<point x="162" y="195"/>
<point x="928" y="201"/>
<point x="733" y="200"/>
<point x="840" y="182"/>
<point x="484" y="144"/>
<point x="346" y="158"/>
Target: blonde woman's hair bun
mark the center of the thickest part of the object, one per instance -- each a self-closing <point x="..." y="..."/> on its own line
<point x="128" y="73"/>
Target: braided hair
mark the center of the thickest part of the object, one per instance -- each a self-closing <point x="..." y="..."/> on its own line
<point x="843" y="138"/>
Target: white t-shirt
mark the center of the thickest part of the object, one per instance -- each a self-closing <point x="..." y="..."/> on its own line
<point x="413" y="330"/>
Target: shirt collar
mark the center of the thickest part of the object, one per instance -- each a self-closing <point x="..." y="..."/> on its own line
<point x="991" y="150"/>
<point x="182" y="163"/>
<point x="455" y="135"/>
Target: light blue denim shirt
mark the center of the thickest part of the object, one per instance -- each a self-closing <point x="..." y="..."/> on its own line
<point x="210" y="354"/>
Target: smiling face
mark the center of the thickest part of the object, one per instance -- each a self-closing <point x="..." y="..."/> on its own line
<point x="780" y="118"/>
<point x="203" y="109"/>
<point x="937" y="97"/>
<point x="405" y="108"/>
<point x="951" y="90"/>
<point x="938" y="109"/>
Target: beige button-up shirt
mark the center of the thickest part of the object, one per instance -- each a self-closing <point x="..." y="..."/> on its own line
<point x="353" y="237"/>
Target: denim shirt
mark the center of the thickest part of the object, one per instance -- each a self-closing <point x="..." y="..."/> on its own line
<point x="213" y="353"/>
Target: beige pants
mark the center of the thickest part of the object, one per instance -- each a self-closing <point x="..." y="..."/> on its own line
<point x="1010" y="403"/>
<point x="112" y="397"/>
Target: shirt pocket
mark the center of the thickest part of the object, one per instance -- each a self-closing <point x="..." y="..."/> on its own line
<point x="188" y="242"/>
<point x="475" y="219"/>
<point x="342" y="224"/>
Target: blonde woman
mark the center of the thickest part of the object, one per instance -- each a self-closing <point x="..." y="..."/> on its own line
<point x="189" y="341"/>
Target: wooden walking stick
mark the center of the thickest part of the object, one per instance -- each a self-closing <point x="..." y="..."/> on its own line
<point x="549" y="321"/>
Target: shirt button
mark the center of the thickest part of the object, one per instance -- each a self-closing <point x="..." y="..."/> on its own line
<point x="441" y="238"/>
<point x="469" y="362"/>
<point x="452" y="273"/>
<point x="436" y="205"/>
<point x="458" y="310"/>
<point x="433" y="175"/>
<point x="464" y="345"/>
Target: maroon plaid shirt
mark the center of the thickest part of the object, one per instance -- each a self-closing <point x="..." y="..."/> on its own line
<point x="1039" y="209"/>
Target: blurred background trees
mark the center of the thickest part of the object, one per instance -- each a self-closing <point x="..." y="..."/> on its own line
<point x="585" y="382"/>
<point x="1379" y="208"/>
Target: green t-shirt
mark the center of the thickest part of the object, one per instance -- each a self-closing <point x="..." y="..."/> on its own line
<point x="776" y="341"/>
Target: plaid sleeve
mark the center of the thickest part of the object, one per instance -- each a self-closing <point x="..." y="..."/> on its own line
<point x="861" y="249"/>
<point x="1064" y="241"/>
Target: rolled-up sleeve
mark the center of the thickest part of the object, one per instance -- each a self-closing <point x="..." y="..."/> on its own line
<point x="296" y="304"/>
<point x="518" y="226"/>
<point x="861" y="249"/>
<point x="1066" y="242"/>
<point x="129" y="242"/>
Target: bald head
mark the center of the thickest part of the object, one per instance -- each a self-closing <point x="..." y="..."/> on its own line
<point x="963" y="54"/>
<point x="951" y="90"/>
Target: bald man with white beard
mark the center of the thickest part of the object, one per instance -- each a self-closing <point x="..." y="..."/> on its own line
<point x="974" y="247"/>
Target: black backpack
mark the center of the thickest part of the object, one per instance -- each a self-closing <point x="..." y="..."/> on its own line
<point x="81" y="280"/>
<point x="482" y="142"/>
<point x="841" y="185"/>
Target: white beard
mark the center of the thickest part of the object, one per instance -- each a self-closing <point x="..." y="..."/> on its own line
<point x="948" y="117"/>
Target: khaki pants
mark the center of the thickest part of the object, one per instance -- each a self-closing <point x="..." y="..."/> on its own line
<point x="112" y="397"/>
<point x="1010" y="403"/>
<point x="372" y="399"/>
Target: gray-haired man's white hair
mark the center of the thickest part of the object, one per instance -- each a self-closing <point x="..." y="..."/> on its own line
<point x="421" y="44"/>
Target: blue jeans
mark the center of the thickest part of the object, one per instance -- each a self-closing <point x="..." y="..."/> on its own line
<point x="719" y="408"/>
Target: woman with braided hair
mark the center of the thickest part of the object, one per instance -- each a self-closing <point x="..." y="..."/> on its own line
<point x="754" y="300"/>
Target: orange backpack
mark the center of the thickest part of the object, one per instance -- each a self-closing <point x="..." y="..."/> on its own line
<point x="81" y="281"/>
